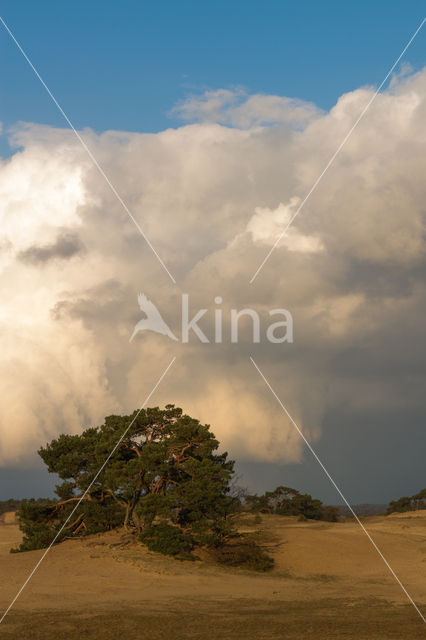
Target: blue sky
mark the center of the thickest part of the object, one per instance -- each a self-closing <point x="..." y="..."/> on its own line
<point x="124" y="65"/>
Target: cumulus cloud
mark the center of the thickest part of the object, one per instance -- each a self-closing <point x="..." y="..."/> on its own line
<point x="238" y="109"/>
<point x="267" y="225"/>
<point x="212" y="196"/>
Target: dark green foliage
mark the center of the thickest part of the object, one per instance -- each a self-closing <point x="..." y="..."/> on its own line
<point x="200" y="501"/>
<point x="329" y="513"/>
<point x="408" y="503"/>
<point x="98" y="517"/>
<point x="164" y="472"/>
<point x="40" y="522"/>
<point x="37" y="525"/>
<point x="289" y="502"/>
<point x="166" y="538"/>
<point x="245" y="554"/>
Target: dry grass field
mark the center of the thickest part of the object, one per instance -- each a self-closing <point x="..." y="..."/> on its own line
<point x="328" y="583"/>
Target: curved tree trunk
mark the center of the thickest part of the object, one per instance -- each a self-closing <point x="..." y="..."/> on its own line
<point x="137" y="522"/>
<point x="127" y="517"/>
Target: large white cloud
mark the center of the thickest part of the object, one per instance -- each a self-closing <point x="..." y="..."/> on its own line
<point x="212" y="199"/>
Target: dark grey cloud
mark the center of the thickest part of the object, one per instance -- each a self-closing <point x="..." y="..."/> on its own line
<point x="66" y="246"/>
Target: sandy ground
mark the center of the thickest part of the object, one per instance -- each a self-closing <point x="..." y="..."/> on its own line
<point x="328" y="582"/>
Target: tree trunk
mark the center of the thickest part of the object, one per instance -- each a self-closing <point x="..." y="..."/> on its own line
<point x="127" y="517"/>
<point x="130" y="511"/>
<point x="137" y="522"/>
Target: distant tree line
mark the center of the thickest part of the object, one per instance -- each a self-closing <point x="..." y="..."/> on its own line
<point x="408" y="503"/>
<point x="12" y="504"/>
<point x="369" y="509"/>
<point x="285" y="501"/>
<point x="9" y="505"/>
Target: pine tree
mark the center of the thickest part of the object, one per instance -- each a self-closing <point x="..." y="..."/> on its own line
<point x="164" y="478"/>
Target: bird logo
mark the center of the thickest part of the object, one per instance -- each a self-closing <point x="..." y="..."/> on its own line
<point x="153" y="320"/>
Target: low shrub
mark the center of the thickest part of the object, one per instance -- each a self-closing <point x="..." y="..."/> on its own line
<point x="166" y="538"/>
<point x="39" y="538"/>
<point x="35" y="523"/>
<point x="245" y="554"/>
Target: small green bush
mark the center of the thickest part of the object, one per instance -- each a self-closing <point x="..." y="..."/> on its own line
<point x="35" y="523"/>
<point x="167" y="539"/>
<point x="247" y="555"/>
<point x="39" y="538"/>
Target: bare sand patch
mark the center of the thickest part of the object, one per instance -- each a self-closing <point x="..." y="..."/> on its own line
<point x="328" y="582"/>
<point x="9" y="517"/>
